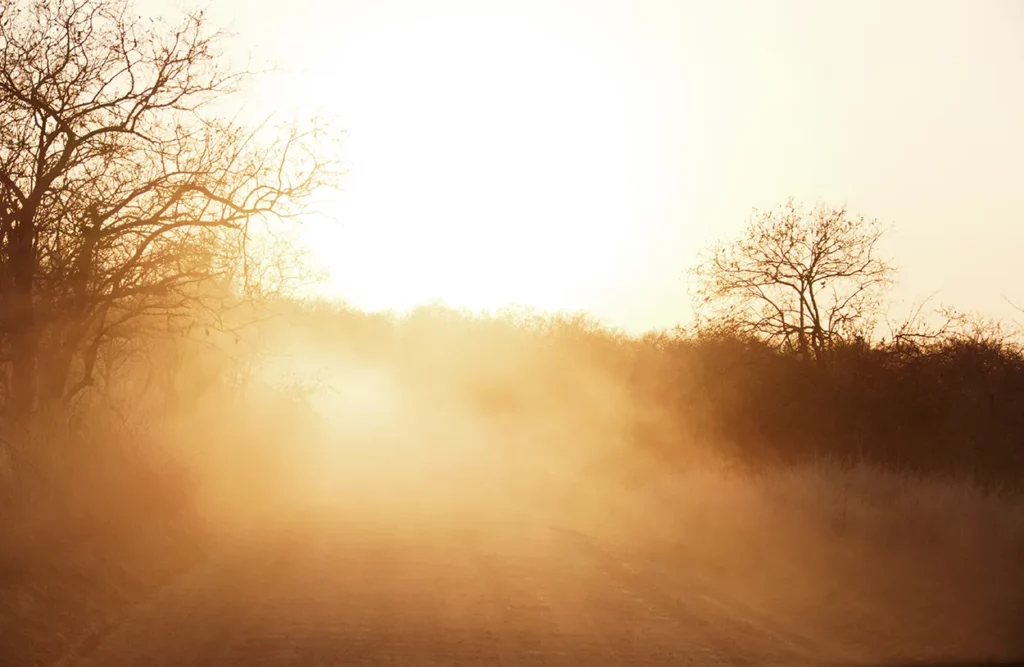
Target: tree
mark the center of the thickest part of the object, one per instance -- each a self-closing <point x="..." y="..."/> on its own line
<point x="801" y="280"/>
<point x="122" y="193"/>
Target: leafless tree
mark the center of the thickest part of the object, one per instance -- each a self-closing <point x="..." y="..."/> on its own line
<point x="804" y="280"/>
<point x="123" y="194"/>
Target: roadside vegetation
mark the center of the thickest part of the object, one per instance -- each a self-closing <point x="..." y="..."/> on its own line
<point x="162" y="387"/>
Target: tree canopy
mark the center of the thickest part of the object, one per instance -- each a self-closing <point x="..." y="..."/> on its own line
<point x="803" y="280"/>
<point x="122" y="191"/>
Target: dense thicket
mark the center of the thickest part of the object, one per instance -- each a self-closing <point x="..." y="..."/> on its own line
<point x="951" y="404"/>
<point x="955" y="406"/>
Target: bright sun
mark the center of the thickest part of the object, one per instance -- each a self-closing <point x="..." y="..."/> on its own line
<point x="488" y="164"/>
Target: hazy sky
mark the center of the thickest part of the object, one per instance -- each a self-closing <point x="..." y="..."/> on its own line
<point x="578" y="153"/>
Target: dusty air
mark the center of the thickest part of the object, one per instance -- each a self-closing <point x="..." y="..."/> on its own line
<point x="511" y="333"/>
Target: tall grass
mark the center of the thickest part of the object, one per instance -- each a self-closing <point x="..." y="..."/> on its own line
<point x="873" y="562"/>
<point x="90" y="522"/>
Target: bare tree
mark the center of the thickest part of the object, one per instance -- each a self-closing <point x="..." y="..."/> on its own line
<point x="802" y="280"/>
<point x="122" y="193"/>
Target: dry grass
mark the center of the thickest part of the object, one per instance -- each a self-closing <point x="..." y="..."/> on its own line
<point x="858" y="557"/>
<point x="85" y="539"/>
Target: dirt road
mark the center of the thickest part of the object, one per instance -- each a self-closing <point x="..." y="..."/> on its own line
<point x="335" y="592"/>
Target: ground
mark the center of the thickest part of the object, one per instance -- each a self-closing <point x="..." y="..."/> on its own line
<point x="442" y="590"/>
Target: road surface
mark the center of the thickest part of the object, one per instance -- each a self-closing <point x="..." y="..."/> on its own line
<point x="325" y="592"/>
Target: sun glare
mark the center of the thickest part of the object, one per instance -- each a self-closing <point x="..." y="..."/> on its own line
<point x="488" y="164"/>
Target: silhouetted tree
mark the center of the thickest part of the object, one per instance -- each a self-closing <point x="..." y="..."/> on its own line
<point x="122" y="193"/>
<point x="801" y="280"/>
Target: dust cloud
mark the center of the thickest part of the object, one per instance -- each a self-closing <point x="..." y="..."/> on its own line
<point x="452" y="419"/>
<point x="442" y="419"/>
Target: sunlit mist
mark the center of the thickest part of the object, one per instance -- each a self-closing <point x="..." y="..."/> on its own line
<point x="489" y="163"/>
<point x="517" y="332"/>
<point x="575" y="155"/>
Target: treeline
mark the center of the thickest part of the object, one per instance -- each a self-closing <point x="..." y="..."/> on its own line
<point x="951" y="403"/>
<point x="135" y="221"/>
<point x="954" y="406"/>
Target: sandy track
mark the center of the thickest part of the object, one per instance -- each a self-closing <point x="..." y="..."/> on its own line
<point x="328" y="592"/>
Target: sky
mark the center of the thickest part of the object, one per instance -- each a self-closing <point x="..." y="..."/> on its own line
<point x="577" y="155"/>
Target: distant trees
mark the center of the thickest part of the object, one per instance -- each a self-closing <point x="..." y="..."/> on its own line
<point x="949" y="403"/>
<point x="801" y="280"/>
<point x="122" y="193"/>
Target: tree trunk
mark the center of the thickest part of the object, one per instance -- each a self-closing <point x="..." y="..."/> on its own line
<point x="24" y="375"/>
<point x="802" y="336"/>
<point x="24" y="335"/>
